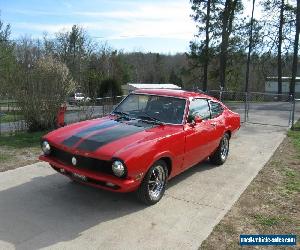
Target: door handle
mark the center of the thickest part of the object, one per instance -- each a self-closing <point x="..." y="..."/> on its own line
<point x="213" y="124"/>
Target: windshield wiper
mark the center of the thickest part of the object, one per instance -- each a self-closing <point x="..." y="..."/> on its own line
<point x="121" y="114"/>
<point x="150" y="119"/>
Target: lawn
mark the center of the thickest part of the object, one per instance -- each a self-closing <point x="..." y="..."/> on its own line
<point x="19" y="149"/>
<point x="269" y="205"/>
<point x="21" y="139"/>
<point x="10" y="117"/>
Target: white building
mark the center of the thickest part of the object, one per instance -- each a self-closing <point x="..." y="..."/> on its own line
<point x="271" y="85"/>
<point x="129" y="87"/>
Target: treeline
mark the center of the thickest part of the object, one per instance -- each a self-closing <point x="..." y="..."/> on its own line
<point x="217" y="56"/>
<point x="238" y="52"/>
<point x="96" y="69"/>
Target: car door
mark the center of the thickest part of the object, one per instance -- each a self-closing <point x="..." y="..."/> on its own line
<point x="217" y="120"/>
<point x="199" y="136"/>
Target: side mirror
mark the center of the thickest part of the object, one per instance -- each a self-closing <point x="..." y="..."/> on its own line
<point x="197" y="119"/>
<point x="194" y="119"/>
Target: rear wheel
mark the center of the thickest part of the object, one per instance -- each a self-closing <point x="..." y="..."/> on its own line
<point x="154" y="184"/>
<point x="220" y="155"/>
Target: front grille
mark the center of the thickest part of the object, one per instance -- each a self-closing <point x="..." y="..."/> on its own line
<point x="88" y="163"/>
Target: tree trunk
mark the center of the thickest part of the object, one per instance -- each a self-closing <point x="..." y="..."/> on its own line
<point x="250" y="48"/>
<point x="296" y="45"/>
<point x="279" y="47"/>
<point x="207" y="39"/>
<point x="227" y="20"/>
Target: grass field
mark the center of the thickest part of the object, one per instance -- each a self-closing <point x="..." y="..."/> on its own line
<point x="19" y="149"/>
<point x="269" y="205"/>
<point x="21" y="139"/>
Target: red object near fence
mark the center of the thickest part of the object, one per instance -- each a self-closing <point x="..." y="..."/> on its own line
<point x="60" y="120"/>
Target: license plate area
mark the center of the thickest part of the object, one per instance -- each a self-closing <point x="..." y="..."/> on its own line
<point x="79" y="177"/>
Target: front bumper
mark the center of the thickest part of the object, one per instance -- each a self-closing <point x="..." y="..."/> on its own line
<point x="98" y="180"/>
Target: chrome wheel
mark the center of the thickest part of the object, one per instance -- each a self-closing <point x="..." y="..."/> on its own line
<point x="224" y="147"/>
<point x="156" y="182"/>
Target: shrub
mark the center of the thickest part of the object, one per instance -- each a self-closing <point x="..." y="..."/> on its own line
<point x="45" y="88"/>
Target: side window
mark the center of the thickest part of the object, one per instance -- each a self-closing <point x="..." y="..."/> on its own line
<point x="216" y="109"/>
<point x="200" y="107"/>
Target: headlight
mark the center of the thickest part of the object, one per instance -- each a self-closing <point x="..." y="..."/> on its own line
<point x="118" y="168"/>
<point x="46" y="148"/>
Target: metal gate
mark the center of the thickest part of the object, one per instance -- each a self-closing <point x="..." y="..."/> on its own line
<point x="260" y="108"/>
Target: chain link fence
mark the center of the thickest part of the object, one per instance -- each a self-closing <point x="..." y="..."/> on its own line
<point x="261" y="108"/>
<point x="91" y="109"/>
<point x="12" y="120"/>
<point x="253" y="107"/>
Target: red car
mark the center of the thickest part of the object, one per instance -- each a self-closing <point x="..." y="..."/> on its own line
<point x="150" y="137"/>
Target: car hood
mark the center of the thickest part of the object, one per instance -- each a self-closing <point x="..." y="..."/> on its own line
<point x="106" y="136"/>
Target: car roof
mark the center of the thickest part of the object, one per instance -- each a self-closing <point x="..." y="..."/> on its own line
<point x="172" y="93"/>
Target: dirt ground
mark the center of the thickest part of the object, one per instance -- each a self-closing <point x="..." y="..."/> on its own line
<point x="11" y="158"/>
<point x="270" y="204"/>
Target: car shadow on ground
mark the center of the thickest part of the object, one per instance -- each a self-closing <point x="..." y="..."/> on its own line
<point x="58" y="208"/>
<point x="52" y="209"/>
<point x="200" y="167"/>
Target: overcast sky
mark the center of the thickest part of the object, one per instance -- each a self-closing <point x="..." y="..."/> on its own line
<point x="143" y="25"/>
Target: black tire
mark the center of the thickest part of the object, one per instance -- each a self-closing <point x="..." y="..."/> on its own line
<point x="144" y="192"/>
<point x="220" y="155"/>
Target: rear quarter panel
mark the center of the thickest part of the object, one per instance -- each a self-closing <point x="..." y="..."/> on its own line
<point x="233" y="121"/>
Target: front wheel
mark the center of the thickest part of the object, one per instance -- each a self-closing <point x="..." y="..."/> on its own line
<point x="154" y="184"/>
<point x="220" y="155"/>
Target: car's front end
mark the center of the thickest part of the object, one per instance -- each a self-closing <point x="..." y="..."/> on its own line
<point x="110" y="174"/>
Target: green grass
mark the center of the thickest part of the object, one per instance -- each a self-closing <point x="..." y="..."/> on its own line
<point x="291" y="182"/>
<point x="268" y="221"/>
<point x="295" y="136"/>
<point x="22" y="139"/>
<point x="10" y="118"/>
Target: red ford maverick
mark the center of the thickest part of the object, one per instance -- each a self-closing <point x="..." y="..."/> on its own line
<point x="150" y="137"/>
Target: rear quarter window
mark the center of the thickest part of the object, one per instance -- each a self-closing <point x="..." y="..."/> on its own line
<point x="216" y="109"/>
<point x="200" y="107"/>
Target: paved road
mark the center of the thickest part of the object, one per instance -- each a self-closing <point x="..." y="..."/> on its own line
<point x="42" y="209"/>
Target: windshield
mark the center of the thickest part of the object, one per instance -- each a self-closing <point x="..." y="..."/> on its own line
<point x="152" y="107"/>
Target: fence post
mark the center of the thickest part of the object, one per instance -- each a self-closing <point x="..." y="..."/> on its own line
<point x="293" y="112"/>
<point x="0" y="118"/>
<point x="221" y="92"/>
<point x="103" y="112"/>
<point x="246" y="106"/>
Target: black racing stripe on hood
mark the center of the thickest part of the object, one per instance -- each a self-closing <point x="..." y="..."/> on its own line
<point x="96" y="141"/>
<point x="71" y="141"/>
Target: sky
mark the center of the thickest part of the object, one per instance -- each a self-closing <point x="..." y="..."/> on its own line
<point x="162" y="26"/>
